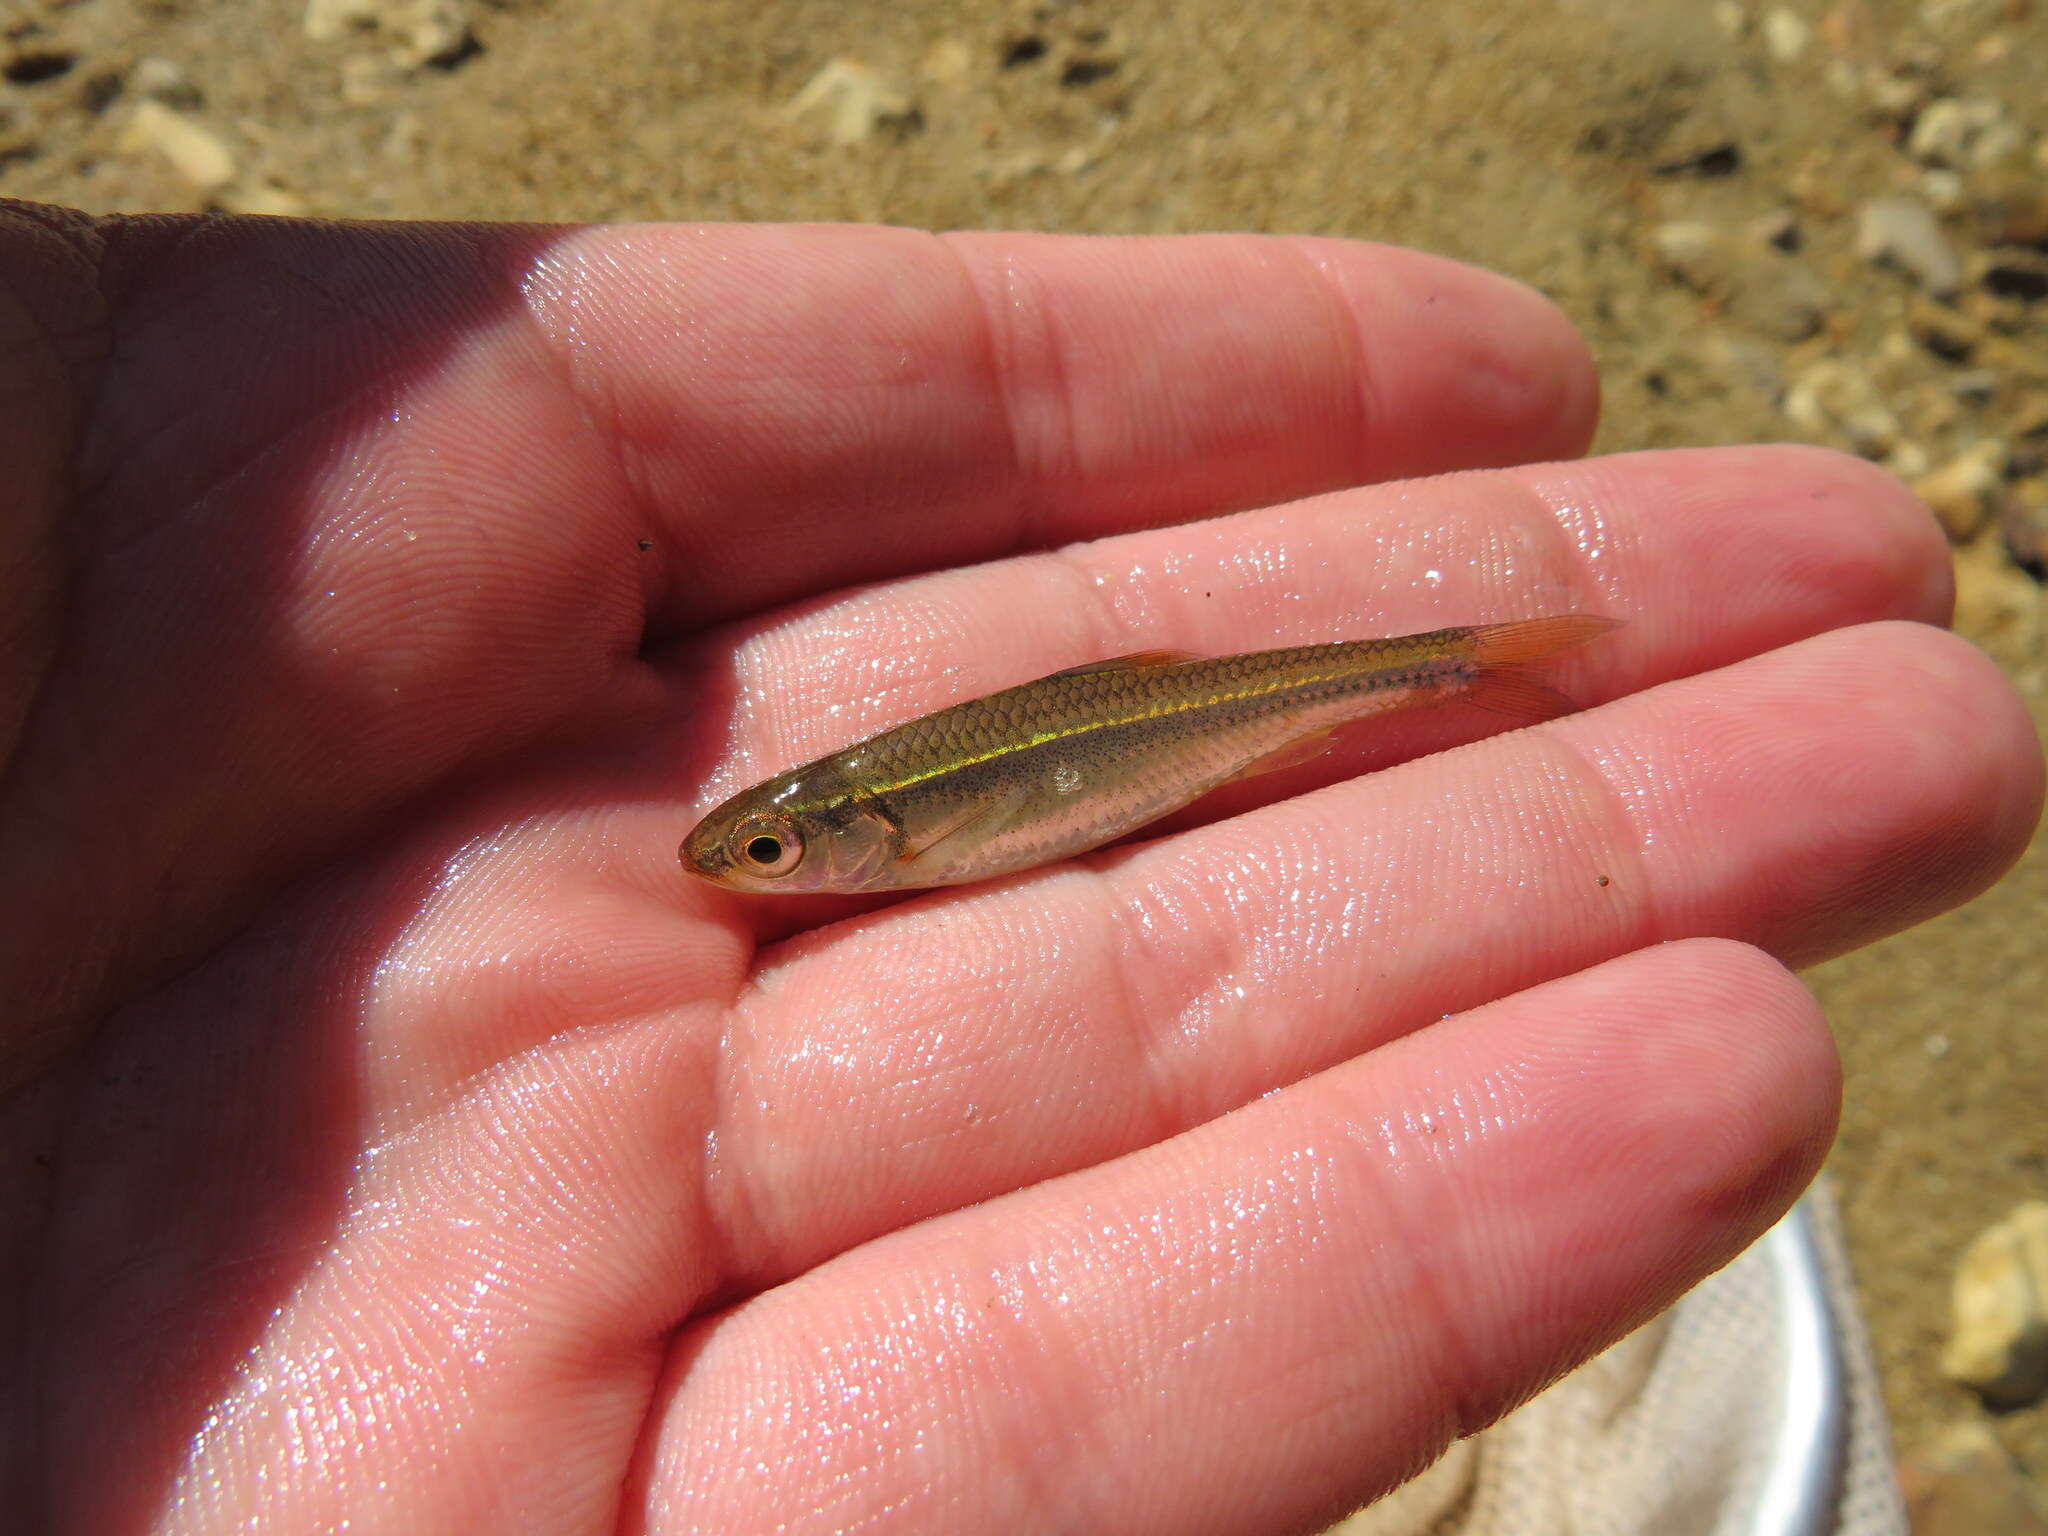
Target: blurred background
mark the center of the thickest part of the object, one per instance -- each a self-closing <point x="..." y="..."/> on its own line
<point x="1824" y="220"/>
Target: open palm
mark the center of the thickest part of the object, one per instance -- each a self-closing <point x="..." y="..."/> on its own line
<point x="400" y="1141"/>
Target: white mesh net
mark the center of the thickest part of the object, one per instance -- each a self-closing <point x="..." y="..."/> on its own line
<point x="1749" y="1409"/>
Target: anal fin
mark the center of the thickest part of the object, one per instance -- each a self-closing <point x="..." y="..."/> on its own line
<point x="1511" y="688"/>
<point x="1300" y="750"/>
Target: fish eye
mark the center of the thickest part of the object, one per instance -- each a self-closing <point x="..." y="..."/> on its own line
<point x="766" y="847"/>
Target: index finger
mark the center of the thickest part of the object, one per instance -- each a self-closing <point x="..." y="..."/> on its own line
<point x="807" y="408"/>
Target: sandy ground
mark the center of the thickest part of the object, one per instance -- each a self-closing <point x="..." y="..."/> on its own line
<point x="1688" y="180"/>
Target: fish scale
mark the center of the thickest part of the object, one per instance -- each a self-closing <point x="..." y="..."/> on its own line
<point x="1097" y="700"/>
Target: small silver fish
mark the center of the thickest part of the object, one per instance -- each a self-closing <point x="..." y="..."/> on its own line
<point x="1069" y="762"/>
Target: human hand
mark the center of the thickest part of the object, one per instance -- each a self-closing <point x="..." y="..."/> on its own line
<point x="404" y="1140"/>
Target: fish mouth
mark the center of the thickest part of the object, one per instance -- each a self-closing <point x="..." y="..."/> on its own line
<point x="704" y="855"/>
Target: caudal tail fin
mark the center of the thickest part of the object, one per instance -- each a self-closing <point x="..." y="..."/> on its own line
<point x="1506" y="681"/>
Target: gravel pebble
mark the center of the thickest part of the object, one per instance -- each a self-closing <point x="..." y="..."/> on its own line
<point x="1998" y="1340"/>
<point x="1833" y="401"/>
<point x="1786" y="35"/>
<point x="1902" y="232"/>
<point x="200" y="157"/>
<point x="1960" y="491"/>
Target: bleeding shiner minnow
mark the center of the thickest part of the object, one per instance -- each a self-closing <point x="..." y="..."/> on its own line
<point x="1056" y="767"/>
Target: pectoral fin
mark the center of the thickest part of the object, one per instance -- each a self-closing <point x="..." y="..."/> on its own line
<point x="973" y="817"/>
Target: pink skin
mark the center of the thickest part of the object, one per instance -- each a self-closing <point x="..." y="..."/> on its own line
<point x="402" y="1137"/>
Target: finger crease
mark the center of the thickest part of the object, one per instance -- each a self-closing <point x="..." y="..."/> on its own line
<point x="1349" y="332"/>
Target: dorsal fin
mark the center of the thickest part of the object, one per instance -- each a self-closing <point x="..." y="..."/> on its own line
<point x="1135" y="659"/>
